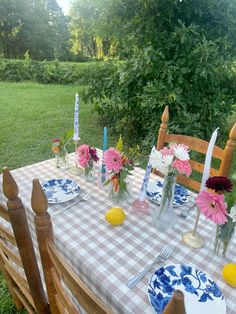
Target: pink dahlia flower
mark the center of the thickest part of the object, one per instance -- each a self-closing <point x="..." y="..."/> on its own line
<point x="182" y="166"/>
<point x="113" y="160"/>
<point x="213" y="206"/>
<point x="166" y="151"/>
<point x="83" y="155"/>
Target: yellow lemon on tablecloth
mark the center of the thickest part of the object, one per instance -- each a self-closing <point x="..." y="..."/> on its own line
<point x="229" y="274"/>
<point x="115" y="216"/>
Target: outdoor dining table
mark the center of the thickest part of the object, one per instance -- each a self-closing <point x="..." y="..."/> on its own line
<point x="106" y="256"/>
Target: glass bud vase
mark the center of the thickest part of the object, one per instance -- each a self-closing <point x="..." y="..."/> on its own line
<point x="89" y="173"/>
<point x="62" y="158"/>
<point x="164" y="216"/>
<point x="224" y="235"/>
<point x="119" y="194"/>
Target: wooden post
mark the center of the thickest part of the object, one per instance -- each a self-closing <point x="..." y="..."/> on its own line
<point x="176" y="304"/>
<point x="44" y="233"/>
<point x="228" y="153"/>
<point x="24" y="242"/>
<point x="163" y="129"/>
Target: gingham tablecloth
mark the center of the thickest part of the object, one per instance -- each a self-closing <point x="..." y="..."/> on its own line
<point x="106" y="257"/>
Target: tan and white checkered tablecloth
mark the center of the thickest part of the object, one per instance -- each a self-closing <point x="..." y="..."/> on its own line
<point x="106" y="257"/>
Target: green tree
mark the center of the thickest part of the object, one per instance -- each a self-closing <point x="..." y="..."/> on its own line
<point x="36" y="26"/>
<point x="182" y="56"/>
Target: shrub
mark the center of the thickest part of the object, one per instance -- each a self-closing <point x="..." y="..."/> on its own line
<point x="55" y="72"/>
<point x="187" y="73"/>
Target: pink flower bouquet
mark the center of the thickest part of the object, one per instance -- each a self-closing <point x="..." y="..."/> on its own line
<point x="219" y="205"/>
<point x="172" y="160"/>
<point x="86" y="157"/>
<point x="119" y="166"/>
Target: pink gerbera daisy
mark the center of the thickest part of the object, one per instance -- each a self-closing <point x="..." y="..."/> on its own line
<point x="213" y="206"/>
<point x="113" y="160"/>
<point x="83" y="155"/>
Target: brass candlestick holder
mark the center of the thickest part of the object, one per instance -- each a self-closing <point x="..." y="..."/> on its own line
<point x="76" y="169"/>
<point x="193" y="238"/>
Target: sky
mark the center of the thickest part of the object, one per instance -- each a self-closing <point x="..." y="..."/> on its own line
<point x="64" y="4"/>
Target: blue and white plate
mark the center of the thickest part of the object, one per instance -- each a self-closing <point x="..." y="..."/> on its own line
<point x="201" y="294"/>
<point x="60" y="190"/>
<point x="154" y="191"/>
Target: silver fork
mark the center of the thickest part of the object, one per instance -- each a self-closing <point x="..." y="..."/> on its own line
<point x="82" y="199"/>
<point x="165" y="253"/>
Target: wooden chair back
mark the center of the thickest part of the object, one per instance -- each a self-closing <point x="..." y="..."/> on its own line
<point x="17" y="256"/>
<point x="56" y="269"/>
<point x="198" y="145"/>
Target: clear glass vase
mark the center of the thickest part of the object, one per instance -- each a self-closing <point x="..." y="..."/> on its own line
<point x="164" y="216"/>
<point x="119" y="194"/>
<point x="89" y="173"/>
<point x="61" y="158"/>
<point x="224" y="235"/>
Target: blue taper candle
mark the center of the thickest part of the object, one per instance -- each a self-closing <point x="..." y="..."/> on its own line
<point x="104" y="139"/>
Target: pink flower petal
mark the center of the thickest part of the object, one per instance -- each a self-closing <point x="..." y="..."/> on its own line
<point x="212" y="206"/>
<point x="113" y="160"/>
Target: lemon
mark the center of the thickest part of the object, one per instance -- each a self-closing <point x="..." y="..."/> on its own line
<point x="229" y="274"/>
<point x="115" y="216"/>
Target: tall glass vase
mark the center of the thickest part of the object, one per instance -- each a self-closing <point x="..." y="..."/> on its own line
<point x="164" y="216"/>
<point x="224" y="235"/>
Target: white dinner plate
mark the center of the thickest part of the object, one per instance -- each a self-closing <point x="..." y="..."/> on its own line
<point x="60" y="190"/>
<point x="201" y="294"/>
<point x="154" y="192"/>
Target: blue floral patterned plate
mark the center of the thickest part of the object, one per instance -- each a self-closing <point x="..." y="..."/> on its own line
<point x="201" y="294"/>
<point x="60" y="190"/>
<point x="154" y="191"/>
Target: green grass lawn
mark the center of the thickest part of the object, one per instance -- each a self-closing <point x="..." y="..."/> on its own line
<point x="31" y="115"/>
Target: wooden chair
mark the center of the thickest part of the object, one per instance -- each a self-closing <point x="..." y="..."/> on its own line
<point x="196" y="144"/>
<point x="17" y="257"/>
<point x="55" y="267"/>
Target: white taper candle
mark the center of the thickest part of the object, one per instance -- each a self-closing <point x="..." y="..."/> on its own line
<point x="207" y="166"/>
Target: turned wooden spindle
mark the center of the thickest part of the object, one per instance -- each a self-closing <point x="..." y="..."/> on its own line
<point x="45" y="235"/>
<point x="24" y="242"/>
<point x="176" y="304"/>
<point x="228" y="153"/>
<point x="163" y="129"/>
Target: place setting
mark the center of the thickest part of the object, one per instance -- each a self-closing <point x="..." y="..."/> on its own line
<point x="60" y="191"/>
<point x="201" y="293"/>
<point x="181" y="197"/>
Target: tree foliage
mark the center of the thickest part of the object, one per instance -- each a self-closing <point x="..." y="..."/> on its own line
<point x="36" y="26"/>
<point x="182" y="56"/>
